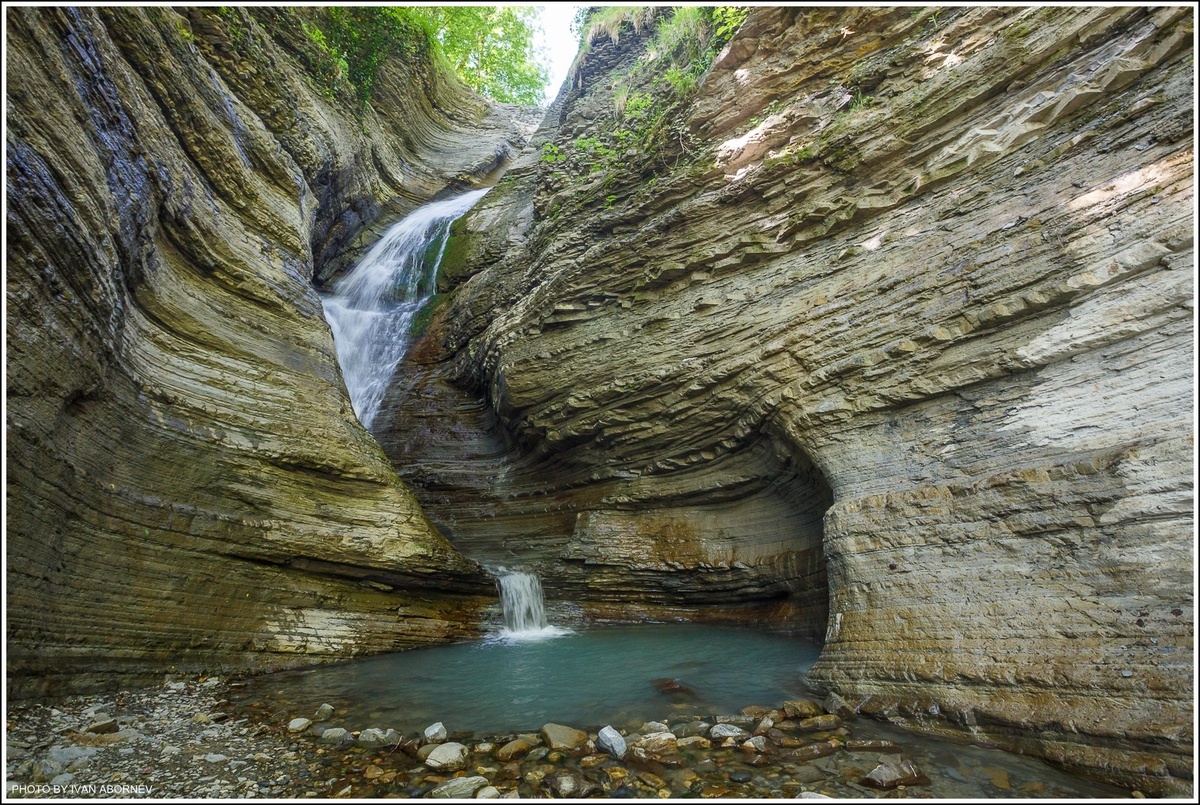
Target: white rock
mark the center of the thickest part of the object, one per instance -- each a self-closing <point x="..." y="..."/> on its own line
<point x="722" y="731"/>
<point x="372" y="738"/>
<point x="299" y="724"/>
<point x="459" y="788"/>
<point x="447" y="757"/>
<point x="488" y="792"/>
<point x="436" y="733"/>
<point x="333" y="735"/>
<point x="612" y="742"/>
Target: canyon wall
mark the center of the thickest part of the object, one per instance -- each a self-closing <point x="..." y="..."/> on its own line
<point x="188" y="489"/>
<point x="882" y="332"/>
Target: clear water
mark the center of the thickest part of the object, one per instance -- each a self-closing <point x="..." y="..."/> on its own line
<point x="586" y="678"/>
<point x="371" y="309"/>
<point x="615" y="675"/>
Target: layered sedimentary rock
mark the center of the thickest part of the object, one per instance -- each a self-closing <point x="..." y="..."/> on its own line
<point x="892" y="335"/>
<point x="188" y="488"/>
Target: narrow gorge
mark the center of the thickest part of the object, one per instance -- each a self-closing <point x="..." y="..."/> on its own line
<point x="870" y="325"/>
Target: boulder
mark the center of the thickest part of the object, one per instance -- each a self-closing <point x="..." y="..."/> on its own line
<point x="819" y="724"/>
<point x="802" y="708"/>
<point x="757" y="744"/>
<point x="558" y="736"/>
<point x="657" y="744"/>
<point x="459" y="788"/>
<point x="839" y="707"/>
<point x="436" y="733"/>
<point x="336" y="735"/>
<point x="449" y="756"/>
<point x="689" y="728"/>
<point x="612" y="742"/>
<point x="46" y="769"/>
<point x="812" y="751"/>
<point x="103" y="725"/>
<point x="720" y="732"/>
<point x="513" y="749"/>
<point x="374" y="738"/>
<point x="299" y="724"/>
<point x="324" y="713"/>
<point x="890" y="774"/>
<point x="568" y="784"/>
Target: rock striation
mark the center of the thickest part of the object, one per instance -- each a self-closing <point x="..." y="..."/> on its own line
<point x="891" y="339"/>
<point x="187" y="486"/>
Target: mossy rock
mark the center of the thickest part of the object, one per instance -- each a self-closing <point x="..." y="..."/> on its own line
<point x="460" y="260"/>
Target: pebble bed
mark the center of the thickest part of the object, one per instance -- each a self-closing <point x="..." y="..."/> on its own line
<point x="188" y="740"/>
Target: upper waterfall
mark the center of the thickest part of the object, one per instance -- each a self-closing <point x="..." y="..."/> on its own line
<point x="371" y="309"/>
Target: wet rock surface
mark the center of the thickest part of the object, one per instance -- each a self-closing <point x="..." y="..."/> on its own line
<point x="164" y="750"/>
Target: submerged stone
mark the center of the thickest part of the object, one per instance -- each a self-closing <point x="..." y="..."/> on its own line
<point x="513" y="749"/>
<point x="568" y="784"/>
<point x="889" y="775"/>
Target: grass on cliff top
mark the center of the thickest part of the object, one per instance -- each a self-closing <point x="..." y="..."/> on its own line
<point x="685" y="41"/>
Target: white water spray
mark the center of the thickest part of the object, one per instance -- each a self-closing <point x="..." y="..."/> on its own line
<point x="371" y="308"/>
<point x="524" y="608"/>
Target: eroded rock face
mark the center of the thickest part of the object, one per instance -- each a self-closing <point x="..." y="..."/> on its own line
<point x="188" y="488"/>
<point x="896" y="330"/>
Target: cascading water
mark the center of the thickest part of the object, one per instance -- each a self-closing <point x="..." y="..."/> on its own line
<point x="524" y="608"/>
<point x="372" y="308"/>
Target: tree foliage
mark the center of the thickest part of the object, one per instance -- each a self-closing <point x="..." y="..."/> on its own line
<point x="489" y="47"/>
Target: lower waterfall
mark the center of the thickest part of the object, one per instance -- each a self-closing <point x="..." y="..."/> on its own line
<point x="524" y="608"/>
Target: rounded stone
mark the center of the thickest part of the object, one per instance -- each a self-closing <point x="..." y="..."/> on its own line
<point x="559" y="736"/>
<point x="449" y="756"/>
<point x="459" y="788"/>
